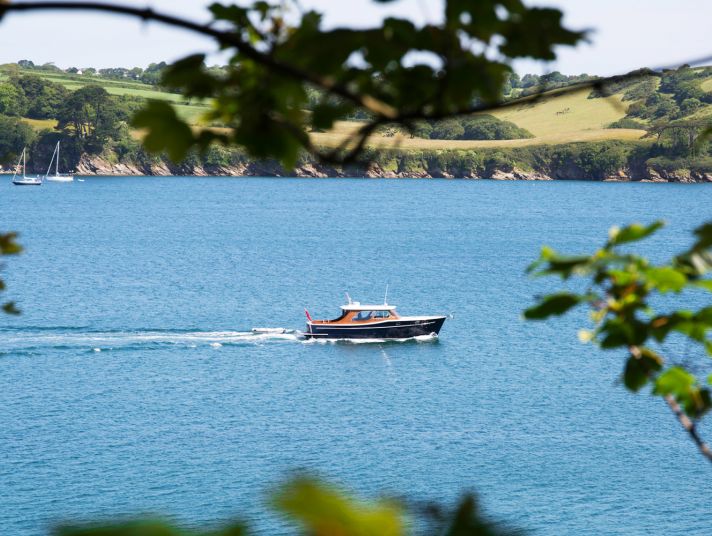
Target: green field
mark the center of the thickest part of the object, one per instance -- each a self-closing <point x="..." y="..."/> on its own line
<point x="554" y="120"/>
<point x="192" y="112"/>
<point x="564" y="119"/>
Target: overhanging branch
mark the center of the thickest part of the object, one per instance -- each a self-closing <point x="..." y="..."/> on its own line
<point x="229" y="39"/>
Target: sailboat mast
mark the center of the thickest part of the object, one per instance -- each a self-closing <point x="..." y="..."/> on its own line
<point x="56" y="172"/>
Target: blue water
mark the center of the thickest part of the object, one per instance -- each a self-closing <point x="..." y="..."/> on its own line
<point x="131" y="383"/>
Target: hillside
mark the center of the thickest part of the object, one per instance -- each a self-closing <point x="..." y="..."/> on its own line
<point x="129" y="88"/>
<point x="580" y="134"/>
<point x="559" y="119"/>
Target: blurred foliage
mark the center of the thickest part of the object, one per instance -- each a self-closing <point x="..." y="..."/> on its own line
<point x="621" y="290"/>
<point x="8" y="246"/>
<point x="314" y="508"/>
<point x="395" y="73"/>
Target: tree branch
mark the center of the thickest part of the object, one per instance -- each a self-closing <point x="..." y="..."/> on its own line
<point x="383" y="112"/>
<point x="689" y="427"/>
<point x="230" y="39"/>
<point x="683" y="419"/>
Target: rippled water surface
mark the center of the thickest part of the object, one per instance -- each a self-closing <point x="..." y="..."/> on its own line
<point x="132" y="383"/>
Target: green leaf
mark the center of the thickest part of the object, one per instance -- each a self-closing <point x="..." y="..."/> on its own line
<point x="616" y="332"/>
<point x="521" y="42"/>
<point x="10" y="308"/>
<point x="673" y="381"/>
<point x="321" y="510"/>
<point x="468" y="520"/>
<point x="555" y="264"/>
<point x="166" y="131"/>
<point x="632" y="233"/>
<point x="639" y="370"/>
<point x="703" y="283"/>
<point x="666" y="279"/>
<point x="682" y="385"/>
<point x="8" y="244"/>
<point x="553" y="305"/>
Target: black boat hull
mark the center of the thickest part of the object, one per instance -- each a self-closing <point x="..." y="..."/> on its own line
<point x="393" y="329"/>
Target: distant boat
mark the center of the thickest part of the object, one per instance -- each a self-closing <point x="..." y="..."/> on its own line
<point x="24" y="180"/>
<point x="57" y="177"/>
<point x="372" y="322"/>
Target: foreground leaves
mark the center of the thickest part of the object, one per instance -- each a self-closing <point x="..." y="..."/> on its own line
<point x="621" y="288"/>
<point x="321" y="510"/>
<point x="8" y="246"/>
<point x="283" y="63"/>
<point x="318" y="509"/>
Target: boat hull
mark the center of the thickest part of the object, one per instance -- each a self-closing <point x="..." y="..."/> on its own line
<point x="59" y="178"/>
<point x="392" y="329"/>
<point x="27" y="183"/>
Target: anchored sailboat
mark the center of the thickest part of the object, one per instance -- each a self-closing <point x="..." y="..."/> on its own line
<point x="24" y="180"/>
<point x="57" y="177"/>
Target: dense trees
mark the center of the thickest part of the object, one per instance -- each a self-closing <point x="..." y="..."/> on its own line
<point x="88" y="118"/>
<point x="14" y="135"/>
<point x="90" y="114"/>
<point x="12" y="100"/>
<point x="42" y="97"/>
<point x="477" y="127"/>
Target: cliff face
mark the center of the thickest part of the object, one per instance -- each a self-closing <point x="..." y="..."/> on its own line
<point x="97" y="165"/>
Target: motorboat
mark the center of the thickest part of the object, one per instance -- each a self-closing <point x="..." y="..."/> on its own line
<point x="24" y="180"/>
<point x="358" y="321"/>
<point x="57" y="177"/>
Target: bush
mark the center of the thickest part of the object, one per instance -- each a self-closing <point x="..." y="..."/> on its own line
<point x="641" y="91"/>
<point x="476" y="127"/>
<point x="627" y="122"/>
<point x="488" y="127"/>
<point x="14" y="135"/>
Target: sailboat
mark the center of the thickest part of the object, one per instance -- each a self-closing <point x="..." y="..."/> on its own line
<point x="57" y="177"/>
<point x="24" y="180"/>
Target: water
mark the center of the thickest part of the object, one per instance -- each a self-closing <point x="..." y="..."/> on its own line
<point x="133" y="384"/>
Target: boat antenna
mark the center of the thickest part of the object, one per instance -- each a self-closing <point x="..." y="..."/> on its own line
<point x="348" y="298"/>
<point x="385" y="298"/>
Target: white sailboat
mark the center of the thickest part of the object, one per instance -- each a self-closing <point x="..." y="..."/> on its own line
<point x="57" y="177"/>
<point x="24" y="180"/>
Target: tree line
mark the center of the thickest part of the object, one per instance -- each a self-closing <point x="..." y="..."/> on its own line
<point x="87" y="119"/>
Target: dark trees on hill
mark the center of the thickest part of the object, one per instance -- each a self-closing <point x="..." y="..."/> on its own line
<point x="91" y="115"/>
<point x="14" y="135"/>
<point x="43" y="97"/>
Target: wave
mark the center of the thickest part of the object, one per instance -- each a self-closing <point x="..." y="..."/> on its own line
<point x="420" y="338"/>
<point x="39" y="339"/>
<point x="61" y="338"/>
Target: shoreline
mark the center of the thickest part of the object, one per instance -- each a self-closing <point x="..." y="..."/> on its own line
<point x="563" y="170"/>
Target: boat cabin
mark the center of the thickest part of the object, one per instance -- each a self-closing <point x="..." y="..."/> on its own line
<point x="355" y="313"/>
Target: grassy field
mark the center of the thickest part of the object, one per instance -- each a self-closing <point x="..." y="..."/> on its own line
<point x="146" y="92"/>
<point x="41" y="124"/>
<point x="565" y="115"/>
<point x="131" y="88"/>
<point x="343" y="129"/>
<point x="192" y="113"/>
<point x="555" y="120"/>
<point x="707" y="85"/>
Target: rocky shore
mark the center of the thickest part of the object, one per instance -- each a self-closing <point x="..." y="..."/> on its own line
<point x="99" y="166"/>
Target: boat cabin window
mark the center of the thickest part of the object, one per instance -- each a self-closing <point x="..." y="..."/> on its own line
<point x="368" y="315"/>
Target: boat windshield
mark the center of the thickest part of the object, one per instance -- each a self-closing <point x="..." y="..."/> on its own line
<point x="368" y="315"/>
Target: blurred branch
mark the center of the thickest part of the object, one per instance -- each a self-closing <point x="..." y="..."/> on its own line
<point x="224" y="38"/>
<point x="381" y="112"/>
